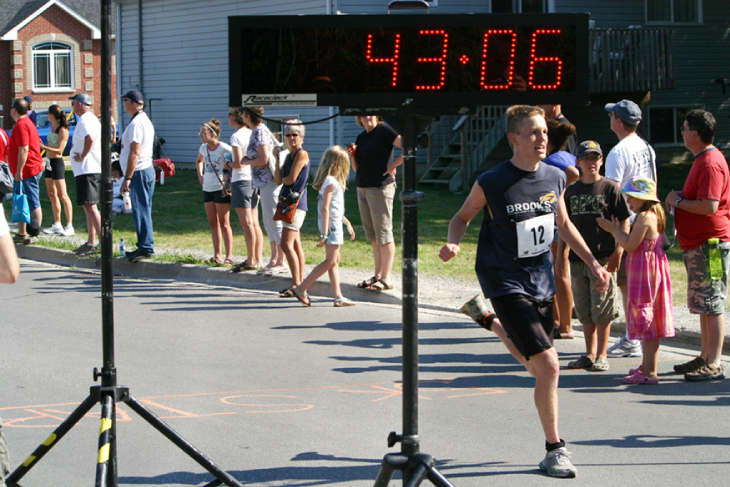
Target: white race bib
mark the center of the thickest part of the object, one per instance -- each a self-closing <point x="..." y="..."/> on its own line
<point x="535" y="235"/>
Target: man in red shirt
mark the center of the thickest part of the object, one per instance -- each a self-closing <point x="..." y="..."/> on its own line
<point x="702" y="219"/>
<point x="24" y="159"/>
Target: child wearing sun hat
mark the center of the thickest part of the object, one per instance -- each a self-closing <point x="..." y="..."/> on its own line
<point x="650" y="314"/>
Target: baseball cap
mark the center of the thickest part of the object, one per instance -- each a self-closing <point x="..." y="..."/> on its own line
<point x="82" y="98"/>
<point x="587" y="147"/>
<point x="641" y="188"/>
<point x="135" y="96"/>
<point x="28" y="99"/>
<point x="626" y="110"/>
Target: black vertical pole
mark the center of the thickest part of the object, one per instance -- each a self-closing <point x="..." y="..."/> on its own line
<point x="409" y="200"/>
<point x="108" y="371"/>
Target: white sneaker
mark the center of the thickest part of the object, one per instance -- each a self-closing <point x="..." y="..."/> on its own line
<point x="557" y="464"/>
<point x="625" y="348"/>
<point x="69" y="230"/>
<point x="55" y="229"/>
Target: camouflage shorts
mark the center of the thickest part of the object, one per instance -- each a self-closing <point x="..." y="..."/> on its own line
<point x="705" y="295"/>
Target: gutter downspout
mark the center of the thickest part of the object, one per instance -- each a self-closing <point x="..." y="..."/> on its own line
<point x="141" y="47"/>
<point x="331" y="110"/>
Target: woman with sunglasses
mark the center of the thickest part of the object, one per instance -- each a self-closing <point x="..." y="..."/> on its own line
<point x="293" y="176"/>
<point x="55" y="174"/>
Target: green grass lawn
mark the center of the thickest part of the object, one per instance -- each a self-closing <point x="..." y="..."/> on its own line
<point x="182" y="233"/>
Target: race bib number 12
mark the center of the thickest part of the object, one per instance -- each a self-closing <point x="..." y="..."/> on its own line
<point x="535" y="235"/>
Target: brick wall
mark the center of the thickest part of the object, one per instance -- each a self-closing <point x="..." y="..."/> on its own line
<point x="16" y="66"/>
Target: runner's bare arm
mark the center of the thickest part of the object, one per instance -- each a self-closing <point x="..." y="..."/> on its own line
<point x="475" y="202"/>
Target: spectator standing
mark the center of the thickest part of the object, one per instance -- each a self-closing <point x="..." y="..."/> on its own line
<point x="650" y="314"/>
<point x="55" y="174"/>
<point x="26" y="164"/>
<point x="702" y="219"/>
<point x="631" y="157"/>
<point x="86" y="165"/>
<point x="135" y="160"/>
<point x="212" y="157"/>
<point x="558" y="135"/>
<point x="259" y="152"/>
<point x="293" y="176"/>
<point x="591" y="197"/>
<point x="32" y="115"/>
<point x="520" y="198"/>
<point x="373" y="163"/>
<point x="244" y="198"/>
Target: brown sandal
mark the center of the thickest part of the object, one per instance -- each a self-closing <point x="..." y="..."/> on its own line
<point x="367" y="282"/>
<point x="378" y="286"/>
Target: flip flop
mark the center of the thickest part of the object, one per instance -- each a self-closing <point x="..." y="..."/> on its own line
<point x="243" y="266"/>
<point x="302" y="296"/>
<point x="367" y="282"/>
<point x="343" y="302"/>
<point x="212" y="261"/>
<point x="639" y="378"/>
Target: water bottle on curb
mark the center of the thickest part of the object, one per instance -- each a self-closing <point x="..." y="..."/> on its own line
<point x="121" y="248"/>
<point x="127" y="202"/>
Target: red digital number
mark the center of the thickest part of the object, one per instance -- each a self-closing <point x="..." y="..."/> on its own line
<point x="441" y="59"/>
<point x="487" y="85"/>
<point x="534" y="58"/>
<point x="394" y="59"/>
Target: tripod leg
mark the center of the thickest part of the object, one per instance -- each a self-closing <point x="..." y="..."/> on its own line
<point x="437" y="479"/>
<point x="391" y="463"/>
<point x="181" y="443"/>
<point x="105" y="462"/>
<point x="54" y="438"/>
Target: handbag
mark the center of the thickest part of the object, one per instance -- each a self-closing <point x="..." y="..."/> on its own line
<point x="226" y="181"/>
<point x="287" y="206"/>
<point x="7" y="181"/>
<point x="21" y="210"/>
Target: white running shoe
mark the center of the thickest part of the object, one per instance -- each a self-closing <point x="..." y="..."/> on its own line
<point x="55" y="229"/>
<point x="557" y="464"/>
<point x="69" y="230"/>
<point x="625" y="348"/>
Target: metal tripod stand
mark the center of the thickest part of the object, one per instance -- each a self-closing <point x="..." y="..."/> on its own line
<point x="416" y="466"/>
<point x="109" y="393"/>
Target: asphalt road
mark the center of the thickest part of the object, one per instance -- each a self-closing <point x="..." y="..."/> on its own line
<point x="277" y="394"/>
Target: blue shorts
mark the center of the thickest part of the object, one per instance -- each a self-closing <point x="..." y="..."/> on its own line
<point x="31" y="189"/>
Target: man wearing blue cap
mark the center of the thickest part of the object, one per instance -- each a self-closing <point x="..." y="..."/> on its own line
<point x="139" y="174"/>
<point x="631" y="157"/>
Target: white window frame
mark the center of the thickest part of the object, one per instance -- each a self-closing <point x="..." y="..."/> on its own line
<point x="52" y="53"/>
<point x="678" y="142"/>
<point x="698" y="6"/>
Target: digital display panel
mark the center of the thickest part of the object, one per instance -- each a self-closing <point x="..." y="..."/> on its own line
<point x="421" y="60"/>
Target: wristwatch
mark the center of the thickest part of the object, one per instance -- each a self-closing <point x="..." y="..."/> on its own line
<point x="679" y="199"/>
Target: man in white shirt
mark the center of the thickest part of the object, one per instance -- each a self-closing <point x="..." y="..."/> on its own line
<point x="631" y="157"/>
<point x="86" y="165"/>
<point x="139" y="173"/>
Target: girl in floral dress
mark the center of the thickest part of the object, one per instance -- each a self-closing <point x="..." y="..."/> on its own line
<point x="650" y="311"/>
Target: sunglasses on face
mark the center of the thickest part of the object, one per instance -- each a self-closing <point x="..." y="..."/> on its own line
<point x="291" y="135"/>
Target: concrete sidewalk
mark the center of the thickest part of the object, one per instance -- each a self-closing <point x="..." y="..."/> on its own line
<point x="687" y="326"/>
